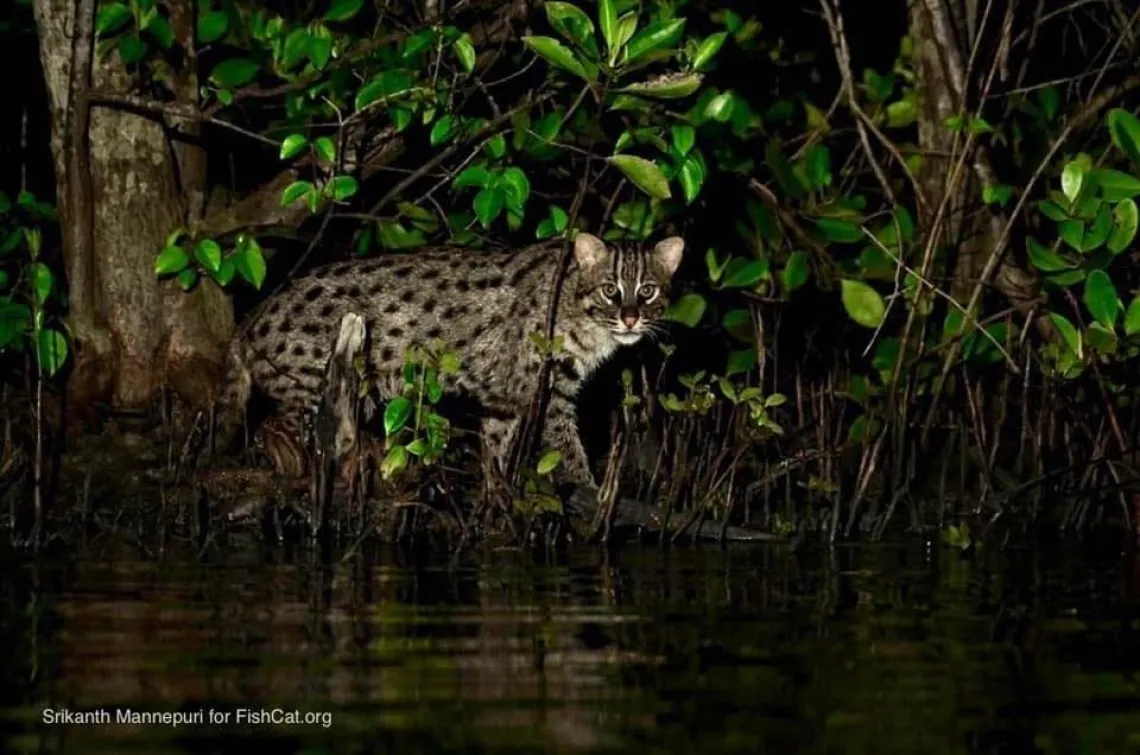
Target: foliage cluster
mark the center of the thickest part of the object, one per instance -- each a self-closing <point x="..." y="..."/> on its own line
<point x="856" y="219"/>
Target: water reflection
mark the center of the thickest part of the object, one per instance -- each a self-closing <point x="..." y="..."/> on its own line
<point x="886" y="649"/>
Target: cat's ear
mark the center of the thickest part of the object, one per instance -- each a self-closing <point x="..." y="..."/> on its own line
<point x="589" y="250"/>
<point x="668" y="253"/>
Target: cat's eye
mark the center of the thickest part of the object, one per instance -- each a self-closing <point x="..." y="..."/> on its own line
<point x="648" y="291"/>
<point x="609" y="291"/>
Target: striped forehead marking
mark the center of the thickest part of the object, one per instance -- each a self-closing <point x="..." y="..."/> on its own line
<point x="628" y="266"/>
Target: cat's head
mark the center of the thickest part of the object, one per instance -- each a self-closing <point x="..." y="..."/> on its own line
<point x="624" y="289"/>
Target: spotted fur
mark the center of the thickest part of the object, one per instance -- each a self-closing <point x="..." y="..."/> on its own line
<point x="484" y="306"/>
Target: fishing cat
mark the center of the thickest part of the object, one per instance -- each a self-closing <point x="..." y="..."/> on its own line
<point x="484" y="306"/>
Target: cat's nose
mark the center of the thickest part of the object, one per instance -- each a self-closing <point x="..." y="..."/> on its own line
<point x="630" y="316"/>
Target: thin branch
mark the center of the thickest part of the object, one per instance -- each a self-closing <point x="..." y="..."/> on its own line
<point x="174" y="109"/>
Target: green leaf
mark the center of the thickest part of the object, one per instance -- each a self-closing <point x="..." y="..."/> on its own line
<point x="387" y="85"/>
<point x="1050" y="100"/>
<point x="863" y="304"/>
<point x="691" y="176"/>
<point x="571" y="22"/>
<point x="42" y="280"/>
<point x="208" y="254"/>
<point x="638" y="217"/>
<point x="171" y="260"/>
<point x="418" y="42"/>
<point x="187" y="278"/>
<point x="626" y="26"/>
<point x="1116" y="185"/>
<point x="51" y="350"/>
<point x="175" y="236"/>
<point x="1072" y="179"/>
<point x="342" y="10"/>
<point x="225" y="272"/>
<point x="838" y="230"/>
<point x="559" y="218"/>
<point x="1099" y="232"/>
<point x="688" y="310"/>
<point x="213" y="26"/>
<point x="708" y="49"/>
<point x="488" y="204"/>
<point x="441" y="131"/>
<point x="643" y="174"/>
<point x="654" y="37"/>
<point x="250" y="264"/>
<point x="748" y="275"/>
<point x="234" y="72"/>
<point x="131" y="49"/>
<point x="554" y="224"/>
<point x="293" y="144"/>
<point x="393" y="235"/>
<point x="719" y="108"/>
<point x="1068" y="333"/>
<point x="326" y="148"/>
<point x="1126" y="219"/>
<point x="608" y="22"/>
<point x="465" y="52"/>
<point x="1053" y="211"/>
<point x="401" y="117"/>
<point x="496" y="146"/>
<point x="111" y="17"/>
<point x="395" y="462"/>
<point x="296" y="47"/>
<point x="902" y="113"/>
<point x="998" y="194"/>
<point x="557" y="54"/>
<point x="1124" y="129"/>
<point x="396" y="415"/>
<point x="1132" y="318"/>
<point x="476" y="175"/>
<point x="516" y="185"/>
<point x="1043" y="258"/>
<point x="1100" y="298"/>
<point x="672" y="86"/>
<point x="159" y="28"/>
<point x="341" y="188"/>
<point x="979" y="126"/>
<point x="449" y="363"/>
<point x="684" y="136"/>
<point x="818" y="160"/>
<point x="795" y="273"/>
<point x="741" y="361"/>
<point x="545" y="229"/>
<point x="295" y="191"/>
<point x="1066" y="278"/>
<point x="319" y="46"/>
<point x="1072" y="233"/>
<point x="548" y="461"/>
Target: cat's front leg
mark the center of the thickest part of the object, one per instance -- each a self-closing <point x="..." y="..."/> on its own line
<point x="561" y="432"/>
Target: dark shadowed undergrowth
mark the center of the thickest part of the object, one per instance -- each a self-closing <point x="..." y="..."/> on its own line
<point x="906" y="303"/>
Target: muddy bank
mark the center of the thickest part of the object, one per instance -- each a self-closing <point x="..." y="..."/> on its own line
<point x="138" y="482"/>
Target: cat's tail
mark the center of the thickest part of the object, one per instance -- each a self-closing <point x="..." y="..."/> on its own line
<point x="228" y="410"/>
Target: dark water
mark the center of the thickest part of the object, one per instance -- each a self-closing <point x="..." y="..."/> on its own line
<point x="862" y="650"/>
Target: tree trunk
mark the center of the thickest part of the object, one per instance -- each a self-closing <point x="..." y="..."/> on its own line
<point x="944" y="32"/>
<point x="122" y="188"/>
<point x="124" y="184"/>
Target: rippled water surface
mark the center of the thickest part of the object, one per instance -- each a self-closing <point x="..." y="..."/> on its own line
<point x="861" y="650"/>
